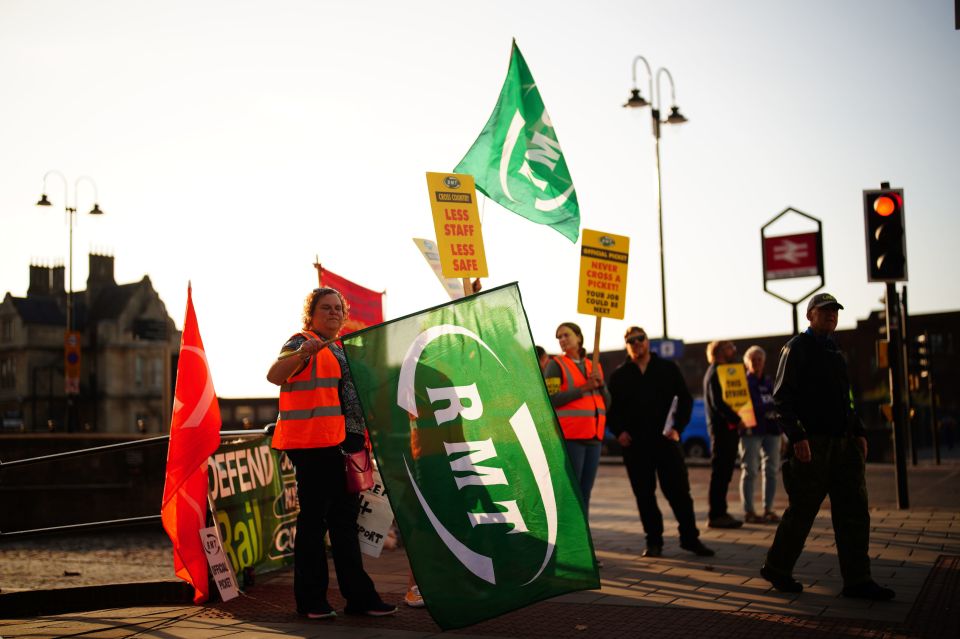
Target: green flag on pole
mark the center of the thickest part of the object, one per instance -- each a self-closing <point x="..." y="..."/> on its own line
<point x="472" y="457"/>
<point x="517" y="160"/>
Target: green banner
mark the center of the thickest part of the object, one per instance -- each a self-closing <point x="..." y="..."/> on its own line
<point x="254" y="491"/>
<point x="517" y="162"/>
<point x="471" y="454"/>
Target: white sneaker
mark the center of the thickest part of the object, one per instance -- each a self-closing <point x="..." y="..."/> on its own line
<point x="413" y="598"/>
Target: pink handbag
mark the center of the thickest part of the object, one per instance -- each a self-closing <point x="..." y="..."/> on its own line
<point x="359" y="470"/>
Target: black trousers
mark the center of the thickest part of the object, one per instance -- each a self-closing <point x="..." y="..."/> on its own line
<point x="836" y="468"/>
<point x="648" y="460"/>
<point x="326" y="506"/>
<point x="724" y="445"/>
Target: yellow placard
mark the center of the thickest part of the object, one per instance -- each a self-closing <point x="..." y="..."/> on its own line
<point x="736" y="392"/>
<point x="603" y="274"/>
<point x="553" y="385"/>
<point x="453" y="200"/>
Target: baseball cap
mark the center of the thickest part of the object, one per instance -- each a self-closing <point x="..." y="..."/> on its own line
<point x="823" y="299"/>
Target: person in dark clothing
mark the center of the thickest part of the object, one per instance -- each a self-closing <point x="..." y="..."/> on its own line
<point x="724" y="426"/>
<point x="650" y="407"/>
<point x="828" y="449"/>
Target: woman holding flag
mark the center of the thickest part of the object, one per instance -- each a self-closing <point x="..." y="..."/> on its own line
<point x="579" y="397"/>
<point x="321" y="419"/>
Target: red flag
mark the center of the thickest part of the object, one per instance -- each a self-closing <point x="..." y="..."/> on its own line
<point x="366" y="306"/>
<point x="194" y="436"/>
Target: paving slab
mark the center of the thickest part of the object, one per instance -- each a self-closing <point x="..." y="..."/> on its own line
<point x="673" y="596"/>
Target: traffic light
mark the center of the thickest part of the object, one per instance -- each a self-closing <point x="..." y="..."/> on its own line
<point x="885" y="234"/>
<point x="918" y="355"/>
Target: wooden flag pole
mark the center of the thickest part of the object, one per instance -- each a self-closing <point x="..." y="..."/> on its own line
<point x="596" y="344"/>
<point x="467" y="288"/>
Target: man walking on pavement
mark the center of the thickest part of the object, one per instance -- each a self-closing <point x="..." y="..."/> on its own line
<point x="813" y="397"/>
<point x="650" y="407"/>
<point x="724" y="426"/>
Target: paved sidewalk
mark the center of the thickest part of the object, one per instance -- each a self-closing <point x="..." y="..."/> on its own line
<point x="916" y="552"/>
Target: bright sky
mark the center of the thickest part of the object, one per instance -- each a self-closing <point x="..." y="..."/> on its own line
<point x="231" y="142"/>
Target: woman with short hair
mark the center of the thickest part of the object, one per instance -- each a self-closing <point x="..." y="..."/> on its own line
<point x="760" y="445"/>
<point x="321" y="420"/>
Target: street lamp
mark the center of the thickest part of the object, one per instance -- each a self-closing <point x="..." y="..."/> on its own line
<point x="71" y="341"/>
<point x="637" y="101"/>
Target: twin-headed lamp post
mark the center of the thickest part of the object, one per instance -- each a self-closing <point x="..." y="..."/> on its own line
<point x="71" y="212"/>
<point x="638" y="101"/>
<point x="72" y="386"/>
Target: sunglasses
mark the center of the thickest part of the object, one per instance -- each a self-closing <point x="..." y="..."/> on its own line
<point x="636" y="339"/>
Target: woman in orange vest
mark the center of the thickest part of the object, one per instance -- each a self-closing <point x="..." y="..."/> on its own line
<point x="580" y="399"/>
<point x="320" y="419"/>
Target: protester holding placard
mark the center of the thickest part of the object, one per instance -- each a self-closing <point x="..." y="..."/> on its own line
<point x="724" y="424"/>
<point x="320" y="420"/>
<point x="580" y="399"/>
<point x="760" y="445"/>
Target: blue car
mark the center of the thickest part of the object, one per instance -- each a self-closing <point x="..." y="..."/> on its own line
<point x="695" y="439"/>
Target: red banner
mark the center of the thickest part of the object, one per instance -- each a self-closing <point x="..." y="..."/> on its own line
<point x="787" y="256"/>
<point x="366" y="306"/>
<point x="194" y="436"/>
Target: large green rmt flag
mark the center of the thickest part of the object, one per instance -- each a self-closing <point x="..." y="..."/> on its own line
<point x="471" y="454"/>
<point x="517" y="160"/>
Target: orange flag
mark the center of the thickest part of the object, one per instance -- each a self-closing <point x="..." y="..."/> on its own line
<point x="194" y="436"/>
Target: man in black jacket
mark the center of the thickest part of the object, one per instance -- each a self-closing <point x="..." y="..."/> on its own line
<point x="813" y="397"/>
<point x="650" y="407"/>
<point x="724" y="425"/>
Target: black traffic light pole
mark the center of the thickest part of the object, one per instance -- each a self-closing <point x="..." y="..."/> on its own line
<point x="898" y="406"/>
<point x="890" y="272"/>
<point x="905" y="375"/>
<point x="934" y="425"/>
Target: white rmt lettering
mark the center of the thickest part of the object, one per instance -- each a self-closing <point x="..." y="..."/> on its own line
<point x="543" y="150"/>
<point x="455" y="395"/>
<point x="527" y="172"/>
<point x="510" y="516"/>
<point x="476" y="452"/>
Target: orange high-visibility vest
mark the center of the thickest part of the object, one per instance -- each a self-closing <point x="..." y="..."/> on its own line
<point x="586" y="417"/>
<point x="310" y="415"/>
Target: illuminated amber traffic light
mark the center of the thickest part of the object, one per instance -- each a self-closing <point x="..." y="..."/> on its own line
<point x="884" y="205"/>
<point x="885" y="235"/>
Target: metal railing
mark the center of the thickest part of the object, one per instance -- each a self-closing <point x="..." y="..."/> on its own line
<point x="83" y="452"/>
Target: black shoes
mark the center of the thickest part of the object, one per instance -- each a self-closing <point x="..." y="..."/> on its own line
<point x="323" y="611"/>
<point x="869" y="590"/>
<point x="697" y="548"/>
<point x="783" y="583"/>
<point x="724" y="521"/>
<point x="652" y="550"/>
<point x="376" y="609"/>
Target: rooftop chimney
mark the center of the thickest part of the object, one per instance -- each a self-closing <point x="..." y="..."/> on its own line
<point x="101" y="275"/>
<point x="40" y="277"/>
